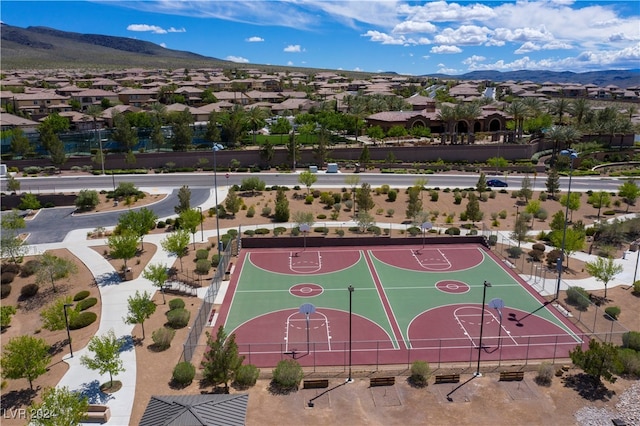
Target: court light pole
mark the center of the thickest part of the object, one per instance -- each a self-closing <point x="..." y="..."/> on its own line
<point x="484" y="298"/>
<point x="572" y="156"/>
<point x="350" y="288"/>
<point x="635" y="271"/>
<point x="66" y="322"/>
<point x="216" y="147"/>
<point x="201" y="222"/>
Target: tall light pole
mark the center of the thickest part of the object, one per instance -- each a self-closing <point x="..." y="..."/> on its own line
<point x="101" y="151"/>
<point x="572" y="156"/>
<point x="517" y="225"/>
<point x="635" y="271"/>
<point x="66" y="321"/>
<point x="350" y="288"/>
<point x="201" y="222"/>
<point x="484" y="297"/>
<point x="216" y="147"/>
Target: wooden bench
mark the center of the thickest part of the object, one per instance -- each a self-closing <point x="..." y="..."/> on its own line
<point x="511" y="376"/>
<point x="447" y="378"/>
<point x="97" y="414"/>
<point x="382" y="381"/>
<point x="315" y="384"/>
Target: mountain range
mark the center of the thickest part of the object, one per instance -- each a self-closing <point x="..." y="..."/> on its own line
<point x="47" y="48"/>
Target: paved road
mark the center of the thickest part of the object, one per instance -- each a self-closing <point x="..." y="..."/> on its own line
<point x="52" y="225"/>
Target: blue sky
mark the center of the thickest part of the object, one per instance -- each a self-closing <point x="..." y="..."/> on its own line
<point x="376" y="35"/>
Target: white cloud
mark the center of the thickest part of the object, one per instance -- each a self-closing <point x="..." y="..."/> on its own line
<point x="440" y="11"/>
<point x="290" y="63"/>
<point x="522" y="34"/>
<point x="466" y="35"/>
<point x="414" y="27"/>
<point x="254" y="39"/>
<point x="473" y="59"/>
<point x="445" y="49"/>
<point x="163" y="45"/>
<point x="400" y="40"/>
<point x="442" y="69"/>
<point x="146" y="28"/>
<point x="238" y="59"/>
<point x="177" y="30"/>
<point x="293" y="48"/>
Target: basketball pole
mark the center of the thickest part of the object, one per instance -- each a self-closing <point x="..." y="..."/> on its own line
<point x="484" y="296"/>
<point x="350" y="288"/>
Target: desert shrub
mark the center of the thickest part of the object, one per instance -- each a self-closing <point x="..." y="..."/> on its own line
<point x="502" y="214"/>
<point x="631" y="340"/>
<point x="251" y="211"/>
<point x="29" y="290"/>
<point x="7" y="277"/>
<point x="86" y="303"/>
<point x="340" y="232"/>
<point x="162" y="338"/>
<point x="202" y="254"/>
<point x="348" y="204"/>
<point x="392" y="195"/>
<point x="536" y="255"/>
<point x="266" y="211"/>
<point x="493" y="240"/>
<point x="183" y="373"/>
<point x="539" y="246"/>
<point x="279" y="230"/>
<point x="452" y="231"/>
<point x="420" y="372"/>
<point x="161" y="224"/>
<point x="414" y="231"/>
<point x="178" y="318"/>
<point x="287" y="374"/>
<point x="321" y="230"/>
<point x="612" y="311"/>
<point x="82" y="320"/>
<point x="629" y="361"/>
<point x="308" y="199"/>
<point x="552" y="257"/>
<point x="176" y="303"/>
<point x="5" y="290"/>
<point x="81" y="295"/>
<point x="215" y="260"/>
<point x="11" y="267"/>
<point x="434" y="195"/>
<point x="321" y="216"/>
<point x="249" y="232"/>
<point x="636" y="287"/>
<point x="578" y="296"/>
<point x="514" y="252"/>
<point x="545" y="374"/>
<point x="203" y="266"/>
<point x="247" y="375"/>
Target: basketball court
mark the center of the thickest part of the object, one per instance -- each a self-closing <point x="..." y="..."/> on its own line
<point x="408" y="303"/>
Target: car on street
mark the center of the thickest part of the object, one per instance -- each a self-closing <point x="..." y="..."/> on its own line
<point x="497" y="183"/>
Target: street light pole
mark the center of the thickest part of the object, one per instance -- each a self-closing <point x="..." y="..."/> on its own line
<point x="66" y="321"/>
<point x="572" y="156"/>
<point x="484" y="296"/>
<point x="517" y="213"/>
<point x="101" y="151"/>
<point x="635" y="271"/>
<point x="350" y="288"/>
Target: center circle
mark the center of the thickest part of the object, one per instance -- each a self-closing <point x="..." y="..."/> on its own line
<point x="452" y="286"/>
<point x="306" y="290"/>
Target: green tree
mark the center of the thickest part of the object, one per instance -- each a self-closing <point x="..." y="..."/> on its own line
<point x="6" y="312"/>
<point x="189" y="220"/>
<point x="233" y="125"/>
<point x="184" y="199"/>
<point x="123" y="245"/>
<point x="365" y="220"/>
<point x="599" y="199"/>
<point x="232" y="203"/>
<point x="12" y="221"/>
<point x="182" y="131"/>
<point x="53" y="316"/>
<point x="474" y="214"/>
<point x="63" y="406"/>
<point x="157" y="274"/>
<point x="307" y="179"/>
<point x="414" y="203"/>
<point x="481" y="185"/>
<point x="29" y="201"/>
<point x="397" y="132"/>
<point x="123" y="132"/>
<point x="364" y="197"/>
<point x="12" y="246"/>
<point x="13" y="184"/>
<point x="573" y="242"/>
<point x="20" y="144"/>
<point x="303" y="218"/>
<point x="105" y="356"/>
<point x="603" y="270"/>
<point x="177" y="244"/>
<point x="629" y="191"/>
<point x="520" y="229"/>
<point x="532" y="208"/>
<point x="553" y="183"/>
<point x="281" y="213"/>
<point x="221" y="361"/>
<point x="557" y="221"/>
<point x="53" y="268"/>
<point x="87" y="199"/>
<point x="353" y="181"/>
<point x="526" y="190"/>
<point x="141" y="307"/>
<point x="497" y="162"/>
<point x="375" y="133"/>
<point x="25" y="357"/>
<point x="599" y="361"/>
<point x="139" y="222"/>
<point x="365" y="157"/>
<point x="574" y="202"/>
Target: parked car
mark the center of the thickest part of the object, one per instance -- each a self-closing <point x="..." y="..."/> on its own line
<point x="497" y="183"/>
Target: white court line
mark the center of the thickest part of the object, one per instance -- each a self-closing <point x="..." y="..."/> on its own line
<point x="301" y="268"/>
<point x="291" y="321"/>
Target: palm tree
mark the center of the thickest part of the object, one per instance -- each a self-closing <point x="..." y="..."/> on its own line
<point x="518" y="111"/>
<point x="255" y="118"/>
<point x="559" y="107"/>
<point x="446" y="114"/>
<point x="579" y="109"/>
<point x="471" y="112"/>
<point x="94" y="111"/>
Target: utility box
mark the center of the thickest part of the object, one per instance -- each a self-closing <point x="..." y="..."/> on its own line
<point x="313" y="169"/>
<point x="332" y="168"/>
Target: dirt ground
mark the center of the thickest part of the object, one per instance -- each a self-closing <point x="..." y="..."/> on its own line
<point x="480" y="401"/>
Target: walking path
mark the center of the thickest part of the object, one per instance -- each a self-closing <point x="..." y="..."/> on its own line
<point x="114" y="307"/>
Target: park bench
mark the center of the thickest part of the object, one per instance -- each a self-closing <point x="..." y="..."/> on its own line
<point x="382" y="381"/>
<point x="511" y="376"/>
<point x="315" y="384"/>
<point x="447" y="378"/>
<point x="97" y="414"/>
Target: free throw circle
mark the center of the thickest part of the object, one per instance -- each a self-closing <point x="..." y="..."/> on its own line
<point x="452" y="286"/>
<point x="306" y="290"/>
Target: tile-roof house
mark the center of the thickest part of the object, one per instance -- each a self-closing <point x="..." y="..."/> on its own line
<point x="196" y="410"/>
<point x="94" y="97"/>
